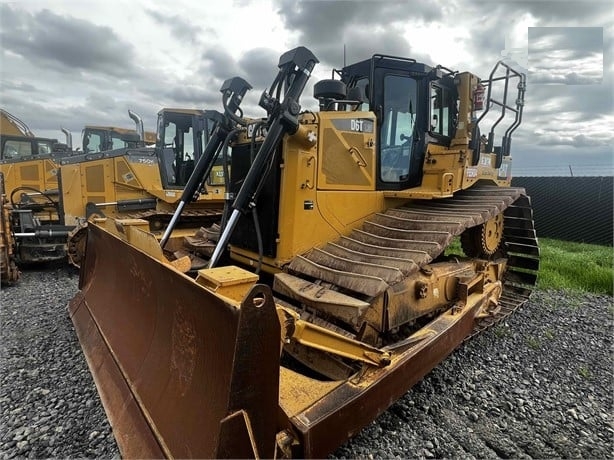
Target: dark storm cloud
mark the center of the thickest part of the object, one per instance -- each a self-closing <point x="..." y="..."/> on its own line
<point x="11" y="86"/>
<point x="364" y="27"/>
<point x="315" y="18"/>
<point x="179" y="27"/>
<point x="64" y="43"/>
<point x="73" y="117"/>
<point x="218" y="63"/>
<point x="259" y="65"/>
<point x="491" y="22"/>
<point x="567" y="55"/>
<point x="549" y="100"/>
<point x="584" y="39"/>
<point x="192" y="95"/>
<point x="583" y="11"/>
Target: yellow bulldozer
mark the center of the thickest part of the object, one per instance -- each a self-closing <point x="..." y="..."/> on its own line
<point x="333" y="285"/>
<point x="31" y="165"/>
<point x="27" y="160"/>
<point x="104" y="138"/>
<point x="51" y="211"/>
<point x="148" y="183"/>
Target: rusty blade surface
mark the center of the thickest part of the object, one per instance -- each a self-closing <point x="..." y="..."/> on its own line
<point x="161" y="351"/>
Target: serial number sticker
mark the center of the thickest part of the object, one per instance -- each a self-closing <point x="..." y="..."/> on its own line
<point x="485" y="161"/>
<point x="503" y="170"/>
<point x="170" y="193"/>
<point x="472" y="173"/>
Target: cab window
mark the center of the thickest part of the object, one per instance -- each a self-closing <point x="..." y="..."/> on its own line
<point x="16" y="149"/>
<point x="443" y="111"/>
<point x="93" y="143"/>
<point x="45" y="148"/>
<point x="117" y="142"/>
<point x="178" y="148"/>
<point x="397" y="129"/>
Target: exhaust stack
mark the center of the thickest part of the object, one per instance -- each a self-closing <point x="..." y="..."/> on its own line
<point x="68" y="135"/>
<point x="139" y="124"/>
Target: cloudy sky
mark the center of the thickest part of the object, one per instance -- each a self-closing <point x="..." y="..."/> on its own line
<point x="67" y="63"/>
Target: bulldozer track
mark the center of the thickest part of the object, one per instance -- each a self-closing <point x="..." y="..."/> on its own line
<point x="521" y="243"/>
<point x="403" y="240"/>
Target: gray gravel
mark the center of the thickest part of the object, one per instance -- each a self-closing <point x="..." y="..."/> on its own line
<point x="539" y="385"/>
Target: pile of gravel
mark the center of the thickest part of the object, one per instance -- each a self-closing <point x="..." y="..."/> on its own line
<point x="49" y="405"/>
<point x="539" y="385"/>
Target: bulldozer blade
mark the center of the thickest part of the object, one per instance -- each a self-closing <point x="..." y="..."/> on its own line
<point x="181" y="372"/>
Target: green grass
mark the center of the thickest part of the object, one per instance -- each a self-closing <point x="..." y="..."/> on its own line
<point x="549" y="333"/>
<point x="576" y="266"/>
<point x="501" y="330"/>
<point x="533" y="342"/>
<point x="584" y="372"/>
<point x="564" y="265"/>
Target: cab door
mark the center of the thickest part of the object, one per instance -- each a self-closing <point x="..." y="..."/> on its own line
<point x="400" y="140"/>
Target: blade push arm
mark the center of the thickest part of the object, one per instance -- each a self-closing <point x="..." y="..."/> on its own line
<point x="233" y="90"/>
<point x="295" y="68"/>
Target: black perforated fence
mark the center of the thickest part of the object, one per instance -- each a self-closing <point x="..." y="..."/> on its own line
<point x="572" y="208"/>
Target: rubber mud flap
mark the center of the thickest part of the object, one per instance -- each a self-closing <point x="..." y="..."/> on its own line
<point x="163" y="353"/>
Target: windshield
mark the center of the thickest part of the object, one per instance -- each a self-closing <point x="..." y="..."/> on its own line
<point x="93" y="142"/>
<point x="118" y="142"/>
<point x="177" y="138"/>
<point x="397" y="129"/>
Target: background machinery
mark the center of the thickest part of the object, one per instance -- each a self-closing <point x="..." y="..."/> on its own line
<point x="9" y="273"/>
<point x="103" y="138"/>
<point x="147" y="183"/>
<point x="333" y="286"/>
<point x="23" y="155"/>
<point x="133" y="182"/>
<point x="29" y="165"/>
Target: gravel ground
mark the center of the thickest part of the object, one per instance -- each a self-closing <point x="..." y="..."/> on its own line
<point x="539" y="385"/>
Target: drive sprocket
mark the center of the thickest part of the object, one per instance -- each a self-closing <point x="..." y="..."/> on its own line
<point x="483" y="241"/>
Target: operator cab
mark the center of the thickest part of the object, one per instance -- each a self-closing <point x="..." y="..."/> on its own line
<point x="103" y="139"/>
<point x="20" y="148"/>
<point x="182" y="137"/>
<point x="414" y="104"/>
